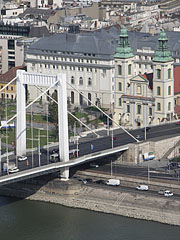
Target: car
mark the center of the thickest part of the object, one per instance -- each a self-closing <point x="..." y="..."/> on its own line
<point x="13" y="170"/>
<point x="168" y="193"/>
<point x="87" y="180"/>
<point x="139" y="136"/>
<point x="161" y="192"/>
<point x="94" y="165"/>
<point x="22" y="158"/>
<point x="142" y="187"/>
<point x="178" y="123"/>
<point x="100" y="181"/>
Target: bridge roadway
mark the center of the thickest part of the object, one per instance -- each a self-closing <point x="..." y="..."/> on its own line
<point x="101" y="147"/>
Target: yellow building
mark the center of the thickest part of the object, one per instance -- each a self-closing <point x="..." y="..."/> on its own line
<point x="10" y="91"/>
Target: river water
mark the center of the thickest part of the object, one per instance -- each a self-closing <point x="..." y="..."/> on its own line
<point x="32" y="220"/>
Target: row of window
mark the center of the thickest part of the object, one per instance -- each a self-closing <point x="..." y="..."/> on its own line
<point x="68" y="59"/>
<point x="81" y="81"/>
<point x="159" y="73"/>
<point x="139" y="107"/>
<point x="159" y="90"/>
<point x="8" y="88"/>
<point x="72" y="68"/>
<point x="8" y="96"/>
<point x="81" y="99"/>
<point x="129" y="69"/>
<point x="72" y="53"/>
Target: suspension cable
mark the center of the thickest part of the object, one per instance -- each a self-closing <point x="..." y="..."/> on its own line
<point x="103" y="112"/>
<point x="69" y="113"/>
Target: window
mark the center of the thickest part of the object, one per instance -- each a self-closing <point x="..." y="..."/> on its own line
<point x="158" y="73"/>
<point x="138" y="109"/>
<point x="72" y="97"/>
<point x="169" y="73"/>
<point x="128" y="108"/>
<point x="120" y="102"/>
<point x="89" y="81"/>
<point x="120" y="86"/>
<point x="169" y="90"/>
<point x="72" y="80"/>
<point x="119" y="70"/>
<point x="158" y="91"/>
<point x="139" y="65"/>
<point x="12" y="88"/>
<point x="158" y="107"/>
<point x="129" y="69"/>
<point x="169" y="106"/>
<point x="150" y="111"/>
<point x="80" y="81"/>
<point x="89" y="98"/>
<point x="11" y="44"/>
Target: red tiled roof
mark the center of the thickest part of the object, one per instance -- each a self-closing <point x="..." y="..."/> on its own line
<point x="149" y="77"/>
<point x="10" y="74"/>
<point x="177" y="79"/>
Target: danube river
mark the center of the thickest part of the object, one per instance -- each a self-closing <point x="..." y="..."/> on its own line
<point x="31" y="220"/>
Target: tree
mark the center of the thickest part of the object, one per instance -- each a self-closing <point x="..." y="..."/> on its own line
<point x="53" y="109"/>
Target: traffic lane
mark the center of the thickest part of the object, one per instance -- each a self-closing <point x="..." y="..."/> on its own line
<point x="131" y="190"/>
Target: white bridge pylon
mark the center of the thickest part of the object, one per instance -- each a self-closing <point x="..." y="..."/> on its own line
<point x="36" y="79"/>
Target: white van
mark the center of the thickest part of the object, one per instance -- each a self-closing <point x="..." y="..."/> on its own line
<point x="113" y="182"/>
<point x="142" y="187"/>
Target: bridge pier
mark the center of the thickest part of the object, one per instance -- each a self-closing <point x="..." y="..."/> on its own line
<point x="58" y="81"/>
<point x="21" y="115"/>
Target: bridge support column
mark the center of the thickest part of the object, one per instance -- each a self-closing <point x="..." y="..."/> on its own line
<point x="63" y="124"/>
<point x="21" y="115"/>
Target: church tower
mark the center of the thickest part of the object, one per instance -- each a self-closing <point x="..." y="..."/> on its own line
<point x="124" y="70"/>
<point x="163" y="81"/>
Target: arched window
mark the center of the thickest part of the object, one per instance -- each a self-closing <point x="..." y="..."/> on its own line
<point x="158" y="106"/>
<point x="89" y="81"/>
<point x="80" y="99"/>
<point x="158" y="90"/>
<point x="72" y="97"/>
<point x="158" y="73"/>
<point x="169" y="90"/>
<point x="72" y="80"/>
<point x="119" y="70"/>
<point x="120" y="86"/>
<point x="169" y="73"/>
<point x="169" y="106"/>
<point x="80" y="81"/>
<point x="129" y="69"/>
<point x="89" y="98"/>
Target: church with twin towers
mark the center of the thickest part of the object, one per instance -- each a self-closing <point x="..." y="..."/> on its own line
<point x="133" y="79"/>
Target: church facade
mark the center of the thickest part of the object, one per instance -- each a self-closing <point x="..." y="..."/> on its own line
<point x="143" y="99"/>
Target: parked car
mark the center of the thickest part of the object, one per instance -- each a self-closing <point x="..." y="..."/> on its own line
<point x="13" y="170"/>
<point x="142" y="187"/>
<point x="168" y="193"/>
<point x="113" y="182"/>
<point x="100" y="181"/>
<point x="161" y="192"/>
<point x="87" y="180"/>
<point x="22" y="158"/>
<point x="178" y="123"/>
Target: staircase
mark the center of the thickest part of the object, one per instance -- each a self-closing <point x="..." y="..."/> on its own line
<point x="165" y="156"/>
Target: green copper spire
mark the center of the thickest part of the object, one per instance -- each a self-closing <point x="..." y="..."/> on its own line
<point x="162" y="53"/>
<point x="123" y="50"/>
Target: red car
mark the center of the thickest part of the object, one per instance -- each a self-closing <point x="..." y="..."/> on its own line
<point x="178" y="123"/>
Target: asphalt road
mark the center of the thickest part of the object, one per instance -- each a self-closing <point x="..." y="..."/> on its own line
<point x="103" y="143"/>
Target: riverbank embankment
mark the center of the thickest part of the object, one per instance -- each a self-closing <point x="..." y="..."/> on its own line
<point x="100" y="198"/>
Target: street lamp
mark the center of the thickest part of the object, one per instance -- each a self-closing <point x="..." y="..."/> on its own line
<point x="39" y="151"/>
